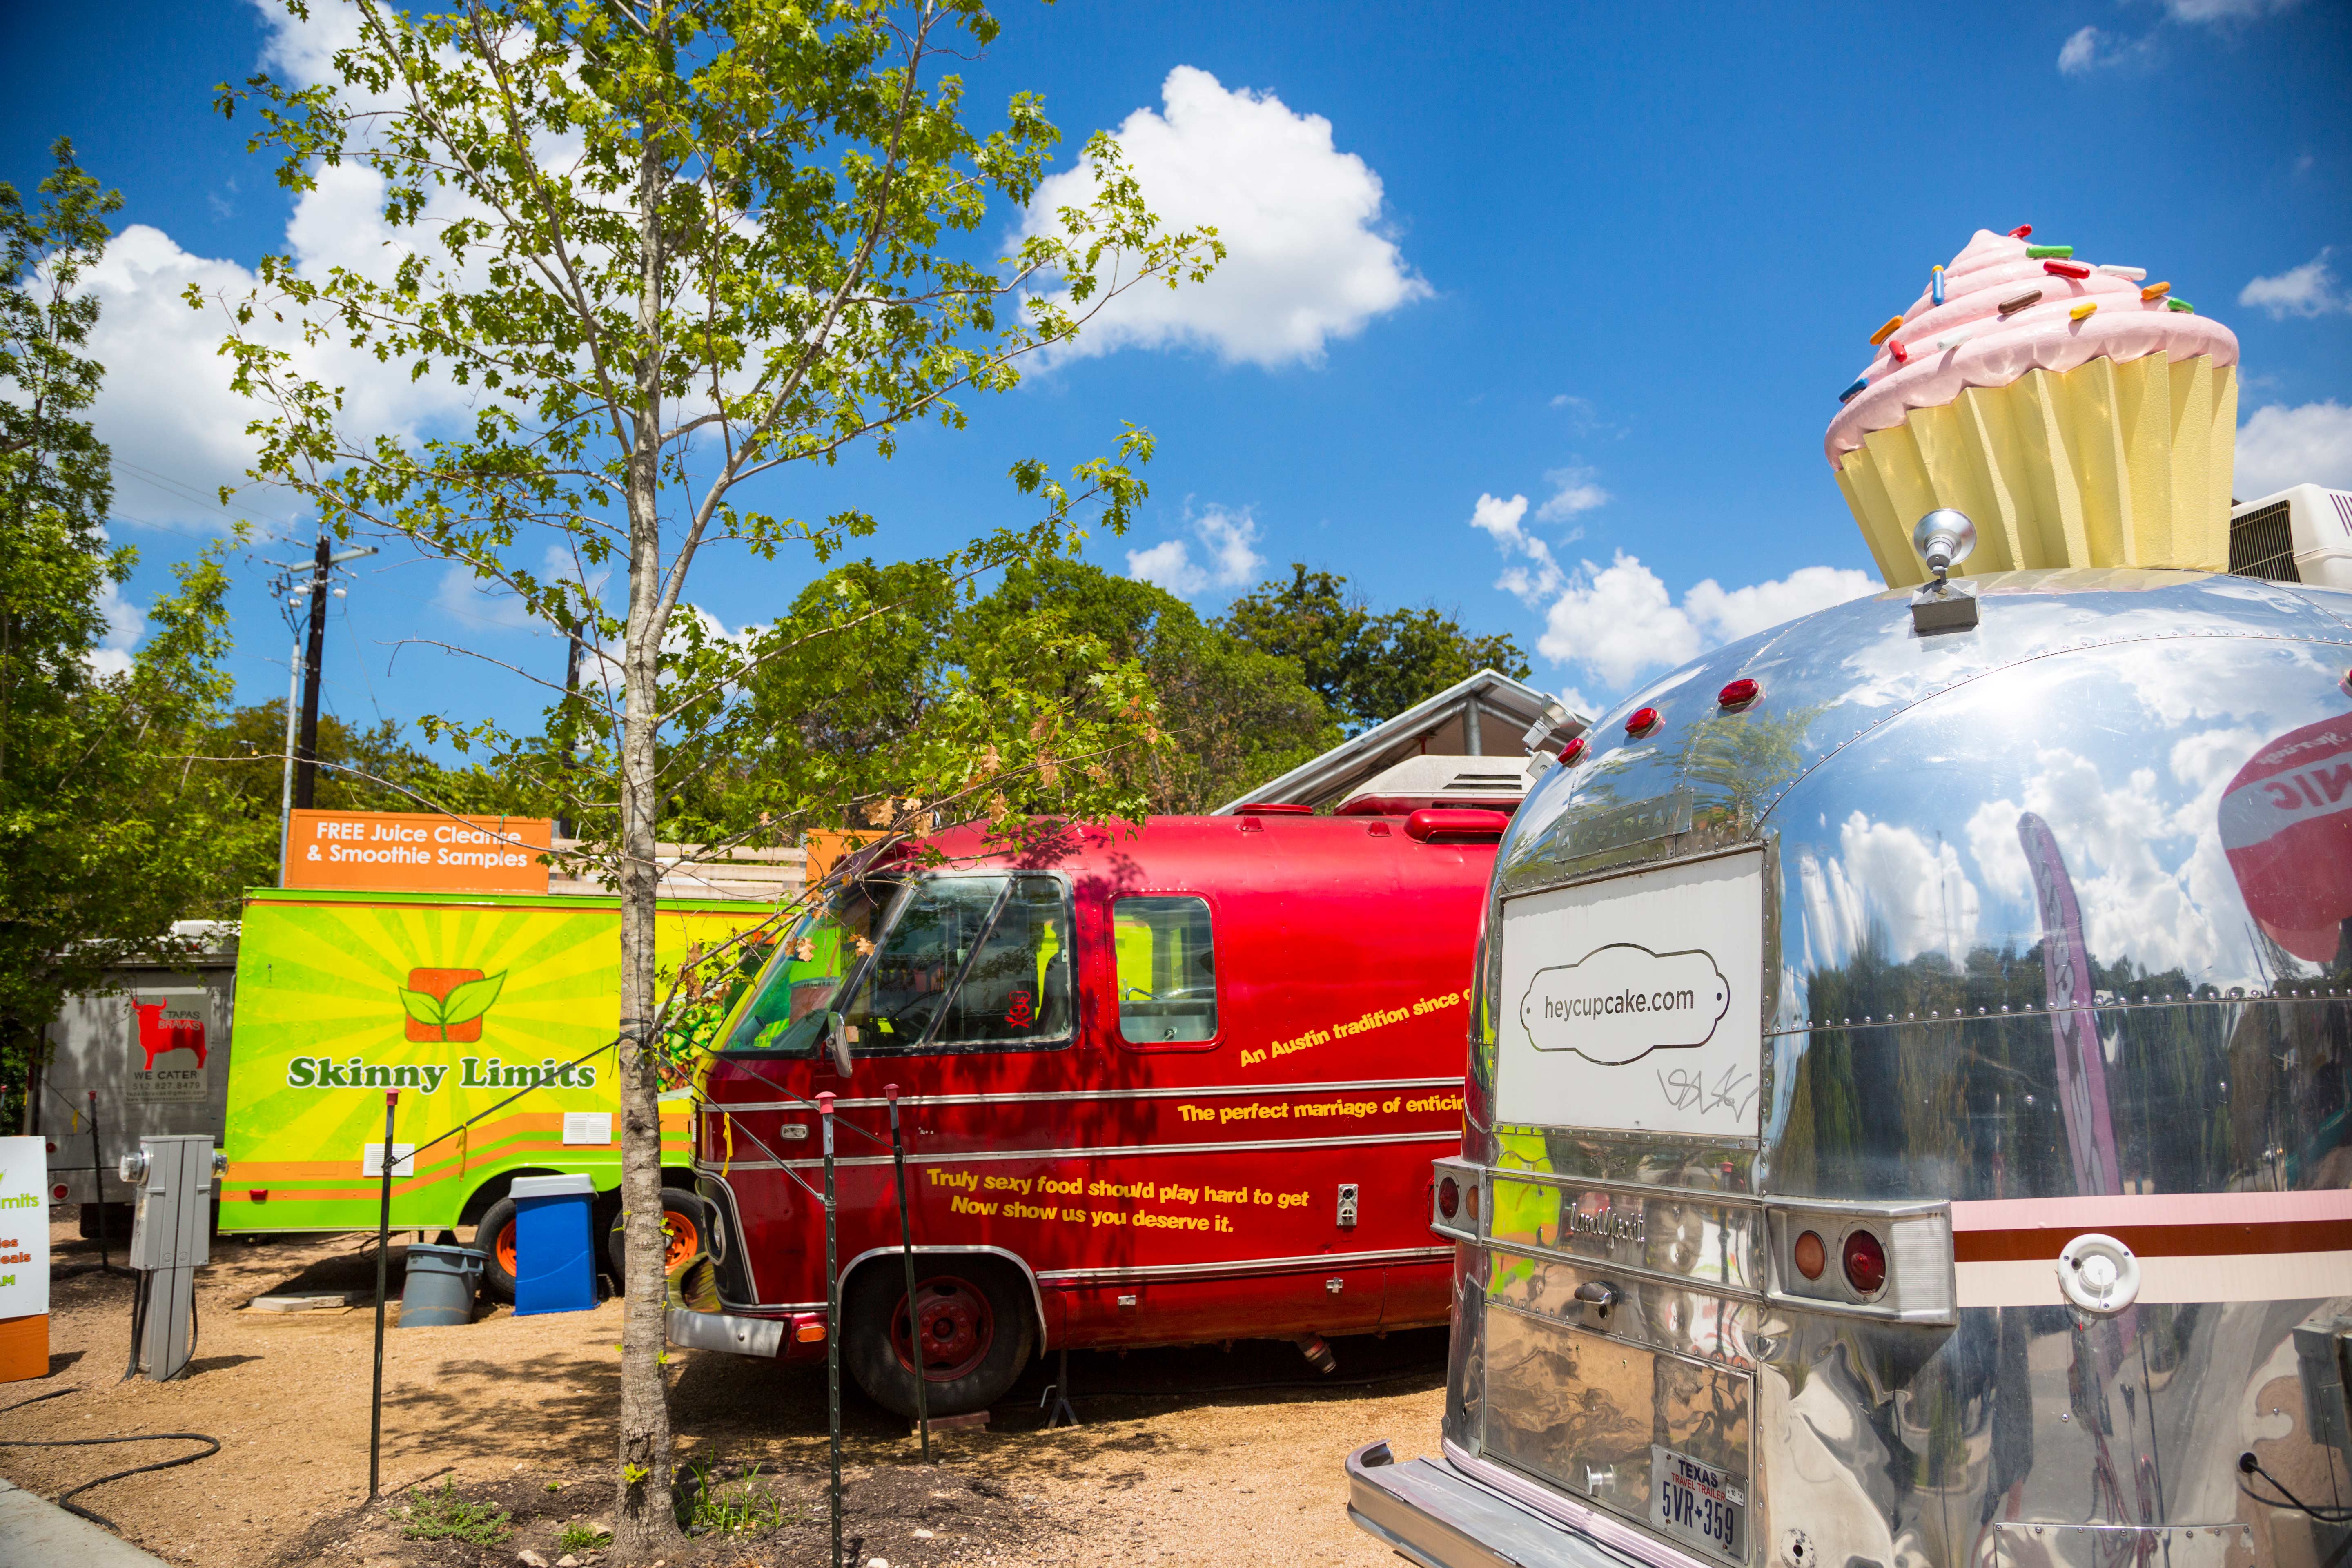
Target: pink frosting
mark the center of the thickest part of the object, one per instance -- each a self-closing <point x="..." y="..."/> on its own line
<point x="2044" y="336"/>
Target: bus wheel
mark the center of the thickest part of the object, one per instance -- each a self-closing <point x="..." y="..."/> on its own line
<point x="971" y="1322"/>
<point x="496" y="1236"/>
<point x="684" y="1222"/>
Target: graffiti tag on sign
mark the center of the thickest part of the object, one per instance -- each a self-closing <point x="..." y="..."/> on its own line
<point x="1619" y="1002"/>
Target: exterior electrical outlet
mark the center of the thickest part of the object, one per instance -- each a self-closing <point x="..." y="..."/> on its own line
<point x="1347" y="1205"/>
<point x="170" y="1238"/>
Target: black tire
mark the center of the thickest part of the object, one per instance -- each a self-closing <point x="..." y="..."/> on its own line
<point x="688" y="1219"/>
<point x="984" y="1317"/>
<point x="496" y="1223"/>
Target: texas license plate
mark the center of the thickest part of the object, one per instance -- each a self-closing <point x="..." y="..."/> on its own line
<point x="1698" y="1503"/>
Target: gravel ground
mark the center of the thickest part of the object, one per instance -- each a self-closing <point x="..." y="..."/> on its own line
<point x="1184" y="1457"/>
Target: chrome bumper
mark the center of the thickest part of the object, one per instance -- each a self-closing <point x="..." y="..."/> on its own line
<point x="1439" y="1518"/>
<point x="718" y="1332"/>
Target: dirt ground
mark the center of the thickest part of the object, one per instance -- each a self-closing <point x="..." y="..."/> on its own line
<point x="1183" y="1456"/>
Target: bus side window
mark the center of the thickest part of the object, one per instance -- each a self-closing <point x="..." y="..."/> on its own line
<point x="1167" y="969"/>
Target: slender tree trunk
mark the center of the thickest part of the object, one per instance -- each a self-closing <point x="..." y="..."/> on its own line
<point x="645" y="1523"/>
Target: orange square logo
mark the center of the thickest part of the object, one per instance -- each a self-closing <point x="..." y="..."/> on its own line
<point x="439" y="1004"/>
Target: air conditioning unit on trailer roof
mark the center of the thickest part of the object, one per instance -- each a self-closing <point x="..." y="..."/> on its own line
<point x="2302" y="535"/>
<point x="1488" y="783"/>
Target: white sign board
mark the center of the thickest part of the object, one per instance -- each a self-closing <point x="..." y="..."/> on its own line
<point x="24" y="1228"/>
<point x="1634" y="1003"/>
<point x="171" y="1046"/>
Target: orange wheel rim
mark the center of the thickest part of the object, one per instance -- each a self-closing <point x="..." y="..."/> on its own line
<point x="505" y="1247"/>
<point x="684" y="1238"/>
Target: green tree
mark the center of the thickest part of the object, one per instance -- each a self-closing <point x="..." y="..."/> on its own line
<point x="107" y="834"/>
<point x="1367" y="667"/>
<point x="1235" y="715"/>
<point x="670" y="248"/>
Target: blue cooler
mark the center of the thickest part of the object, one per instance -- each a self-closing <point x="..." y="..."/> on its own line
<point x="555" y="1243"/>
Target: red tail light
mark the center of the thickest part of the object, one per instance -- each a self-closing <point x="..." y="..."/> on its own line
<point x="1449" y="1197"/>
<point x="1865" y="1263"/>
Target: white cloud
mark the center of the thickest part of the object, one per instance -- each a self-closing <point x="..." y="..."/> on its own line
<point x="1306" y="257"/>
<point x="2225" y="10"/>
<point x="1573" y="490"/>
<point x="1229" y="540"/>
<point x="1539" y="577"/>
<point x="2080" y="53"/>
<point x="126" y="623"/>
<point x="2308" y="443"/>
<point x="1736" y="613"/>
<point x="1620" y="621"/>
<point x="2305" y="290"/>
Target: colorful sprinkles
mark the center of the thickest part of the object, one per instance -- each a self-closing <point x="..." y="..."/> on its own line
<point x="2083" y="310"/>
<point x="1849" y="395"/>
<point x="2066" y="270"/>
<point x="2016" y="302"/>
<point x="2182" y="305"/>
<point x="1936" y="283"/>
<point x="2042" y="252"/>
<point x="2132" y="273"/>
<point x="1885" y="331"/>
<point x="2021" y="231"/>
<point x="2155" y="291"/>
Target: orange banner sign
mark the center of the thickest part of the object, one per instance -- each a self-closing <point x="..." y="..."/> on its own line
<point x="417" y="852"/>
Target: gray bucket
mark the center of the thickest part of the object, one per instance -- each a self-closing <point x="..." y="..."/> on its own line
<point x="441" y="1284"/>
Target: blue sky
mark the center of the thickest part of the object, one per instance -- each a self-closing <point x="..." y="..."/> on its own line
<point x="1592" y="276"/>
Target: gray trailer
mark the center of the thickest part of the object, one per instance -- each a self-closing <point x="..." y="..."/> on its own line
<point x="146" y="1055"/>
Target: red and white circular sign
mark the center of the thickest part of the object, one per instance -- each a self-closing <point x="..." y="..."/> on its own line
<point x="2286" y="822"/>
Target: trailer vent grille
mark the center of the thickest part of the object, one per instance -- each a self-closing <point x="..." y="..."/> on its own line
<point x="2262" y="544"/>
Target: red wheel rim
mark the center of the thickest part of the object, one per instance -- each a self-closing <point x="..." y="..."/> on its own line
<point x="958" y="1328"/>
<point x="685" y="1238"/>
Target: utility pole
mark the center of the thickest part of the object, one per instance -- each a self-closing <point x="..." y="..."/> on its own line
<point x="298" y="785"/>
<point x="571" y="689"/>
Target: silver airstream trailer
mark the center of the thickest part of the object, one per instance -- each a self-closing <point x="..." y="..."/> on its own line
<point x="1910" y="1106"/>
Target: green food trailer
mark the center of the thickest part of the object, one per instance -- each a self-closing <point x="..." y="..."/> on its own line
<point x="459" y="1001"/>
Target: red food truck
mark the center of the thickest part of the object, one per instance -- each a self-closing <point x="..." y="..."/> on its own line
<point x="1160" y="1085"/>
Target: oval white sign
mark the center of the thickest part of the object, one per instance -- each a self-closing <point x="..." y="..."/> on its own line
<point x="1619" y="1002"/>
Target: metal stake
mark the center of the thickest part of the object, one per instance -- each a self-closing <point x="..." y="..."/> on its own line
<point x="97" y="1185"/>
<point x="831" y="1320"/>
<point x="383" y="1265"/>
<point x="907" y="1249"/>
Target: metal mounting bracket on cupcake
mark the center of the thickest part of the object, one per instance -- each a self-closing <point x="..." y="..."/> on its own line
<point x="1943" y="538"/>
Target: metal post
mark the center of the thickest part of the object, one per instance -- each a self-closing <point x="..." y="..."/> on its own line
<point x="831" y="1320"/>
<point x="97" y="1184"/>
<point x="383" y="1267"/>
<point x="907" y="1250"/>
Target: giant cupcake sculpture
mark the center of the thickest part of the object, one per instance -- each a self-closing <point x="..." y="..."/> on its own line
<point x="2078" y="413"/>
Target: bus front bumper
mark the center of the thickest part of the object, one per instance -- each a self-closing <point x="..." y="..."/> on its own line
<point x="1437" y="1517"/>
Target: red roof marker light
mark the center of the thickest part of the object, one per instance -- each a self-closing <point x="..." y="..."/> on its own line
<point x="1739" y="694"/>
<point x="1571" y="752"/>
<point x="1641" y="721"/>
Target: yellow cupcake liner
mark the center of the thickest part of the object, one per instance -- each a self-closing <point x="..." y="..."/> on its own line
<point x="2106" y="465"/>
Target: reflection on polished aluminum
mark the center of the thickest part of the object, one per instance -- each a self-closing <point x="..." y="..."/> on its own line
<point x="2057" y="943"/>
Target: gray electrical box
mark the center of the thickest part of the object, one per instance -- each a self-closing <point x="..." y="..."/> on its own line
<point x="170" y="1238"/>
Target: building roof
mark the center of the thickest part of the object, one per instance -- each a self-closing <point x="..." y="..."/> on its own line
<point x="1488" y="715"/>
